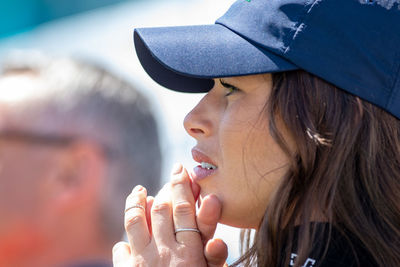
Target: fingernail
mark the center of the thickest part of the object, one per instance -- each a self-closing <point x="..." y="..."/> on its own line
<point x="138" y="188"/>
<point x="177" y="168"/>
<point x="116" y="247"/>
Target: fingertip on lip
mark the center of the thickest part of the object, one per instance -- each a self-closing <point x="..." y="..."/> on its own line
<point x="195" y="186"/>
<point x="191" y="174"/>
<point x="194" y="182"/>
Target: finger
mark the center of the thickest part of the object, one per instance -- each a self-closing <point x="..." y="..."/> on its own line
<point x="161" y="218"/>
<point x="184" y="210"/>
<point x="135" y="220"/>
<point x="121" y="254"/>
<point x="208" y="216"/>
<point x="216" y="253"/>
<point x="195" y="187"/>
<point x="149" y="204"/>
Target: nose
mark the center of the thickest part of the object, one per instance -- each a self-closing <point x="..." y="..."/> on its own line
<point x="197" y="122"/>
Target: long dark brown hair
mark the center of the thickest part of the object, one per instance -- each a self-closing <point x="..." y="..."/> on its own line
<point x="346" y="169"/>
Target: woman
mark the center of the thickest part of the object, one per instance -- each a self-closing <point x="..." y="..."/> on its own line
<point x="298" y="137"/>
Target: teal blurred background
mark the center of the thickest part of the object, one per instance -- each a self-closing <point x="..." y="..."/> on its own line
<point x="22" y="15"/>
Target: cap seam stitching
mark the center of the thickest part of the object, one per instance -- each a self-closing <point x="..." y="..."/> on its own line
<point x="300" y="27"/>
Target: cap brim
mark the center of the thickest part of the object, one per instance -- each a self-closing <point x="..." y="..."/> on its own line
<point x="186" y="58"/>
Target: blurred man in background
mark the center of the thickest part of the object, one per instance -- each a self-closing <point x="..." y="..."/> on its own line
<point x="74" y="140"/>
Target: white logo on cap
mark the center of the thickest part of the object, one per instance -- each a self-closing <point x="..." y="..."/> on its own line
<point x="388" y="4"/>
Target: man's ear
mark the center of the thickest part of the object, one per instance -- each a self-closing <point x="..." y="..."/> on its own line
<point x="77" y="175"/>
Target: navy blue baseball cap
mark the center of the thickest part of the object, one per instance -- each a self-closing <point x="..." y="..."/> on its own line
<point x="353" y="44"/>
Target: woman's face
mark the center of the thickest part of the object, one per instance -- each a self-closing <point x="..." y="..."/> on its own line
<point x="239" y="161"/>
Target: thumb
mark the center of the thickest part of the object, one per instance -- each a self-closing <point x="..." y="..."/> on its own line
<point x="216" y="253"/>
<point x="208" y="216"/>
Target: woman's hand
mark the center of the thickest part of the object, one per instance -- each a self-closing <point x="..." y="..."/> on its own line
<point x="151" y="224"/>
<point x="215" y="250"/>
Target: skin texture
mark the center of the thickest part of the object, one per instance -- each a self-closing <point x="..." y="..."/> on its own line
<point x="233" y="131"/>
<point x="230" y="128"/>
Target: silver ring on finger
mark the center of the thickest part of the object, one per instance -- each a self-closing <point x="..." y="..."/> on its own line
<point x="136" y="206"/>
<point x="187" y="230"/>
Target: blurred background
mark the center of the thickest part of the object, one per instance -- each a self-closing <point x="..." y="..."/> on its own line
<point x="101" y="31"/>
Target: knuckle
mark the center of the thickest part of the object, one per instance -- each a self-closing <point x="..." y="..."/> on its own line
<point x="184" y="208"/>
<point x="164" y="253"/>
<point x="189" y="255"/>
<point x="206" y="222"/>
<point x="139" y="261"/>
<point x="181" y="250"/>
<point x="161" y="207"/>
<point x="134" y="220"/>
<point x="178" y="180"/>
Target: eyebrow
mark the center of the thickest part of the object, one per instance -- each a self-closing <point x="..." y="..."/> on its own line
<point x="230" y="78"/>
<point x="52" y="139"/>
<point x="36" y="138"/>
<point x="233" y="82"/>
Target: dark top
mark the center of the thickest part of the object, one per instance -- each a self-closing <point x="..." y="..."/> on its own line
<point x="342" y="252"/>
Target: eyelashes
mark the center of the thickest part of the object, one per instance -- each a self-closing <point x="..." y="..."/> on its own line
<point x="229" y="87"/>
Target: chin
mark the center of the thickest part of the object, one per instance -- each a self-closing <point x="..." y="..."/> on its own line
<point x="231" y="216"/>
<point x="238" y="222"/>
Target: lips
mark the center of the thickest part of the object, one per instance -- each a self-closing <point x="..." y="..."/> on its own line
<point x="206" y="168"/>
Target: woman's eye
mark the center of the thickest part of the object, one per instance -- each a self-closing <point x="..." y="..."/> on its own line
<point x="230" y="89"/>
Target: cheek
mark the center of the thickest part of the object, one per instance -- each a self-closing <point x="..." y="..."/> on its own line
<point x="254" y="169"/>
<point x="265" y="153"/>
<point x="234" y="131"/>
<point x="19" y="193"/>
<point x="268" y="165"/>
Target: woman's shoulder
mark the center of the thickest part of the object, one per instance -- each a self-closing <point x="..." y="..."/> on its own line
<point x="336" y="248"/>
